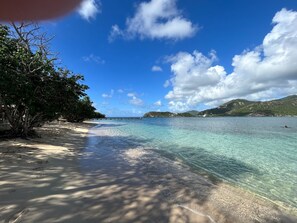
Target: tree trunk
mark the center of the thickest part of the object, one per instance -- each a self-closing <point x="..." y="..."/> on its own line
<point x="26" y="123"/>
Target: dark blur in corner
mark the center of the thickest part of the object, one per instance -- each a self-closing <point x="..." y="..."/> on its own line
<point x="34" y="10"/>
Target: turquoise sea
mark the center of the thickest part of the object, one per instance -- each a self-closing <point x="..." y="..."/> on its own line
<point x="255" y="153"/>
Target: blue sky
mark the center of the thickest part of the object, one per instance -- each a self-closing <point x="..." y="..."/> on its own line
<point x="179" y="55"/>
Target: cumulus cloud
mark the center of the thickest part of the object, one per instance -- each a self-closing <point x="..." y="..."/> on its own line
<point x="108" y="95"/>
<point x="134" y="99"/>
<point x="93" y="58"/>
<point x="158" y="103"/>
<point x="156" y="19"/>
<point x="267" y="72"/>
<point x="89" y="9"/>
<point x="157" y="69"/>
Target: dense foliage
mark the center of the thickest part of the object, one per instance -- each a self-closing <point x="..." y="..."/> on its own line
<point x="82" y="110"/>
<point x="32" y="89"/>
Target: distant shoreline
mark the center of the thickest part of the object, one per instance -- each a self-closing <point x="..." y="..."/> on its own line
<point x="240" y="107"/>
<point x="139" y="118"/>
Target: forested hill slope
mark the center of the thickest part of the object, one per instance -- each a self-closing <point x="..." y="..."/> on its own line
<point x="282" y="107"/>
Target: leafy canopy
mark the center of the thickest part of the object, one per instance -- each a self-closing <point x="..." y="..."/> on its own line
<point x="33" y="89"/>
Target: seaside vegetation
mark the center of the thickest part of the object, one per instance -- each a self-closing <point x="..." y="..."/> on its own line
<point x="33" y="88"/>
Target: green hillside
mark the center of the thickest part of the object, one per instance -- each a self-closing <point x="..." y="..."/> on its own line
<point x="282" y="107"/>
<point x="159" y="115"/>
<point x="226" y="109"/>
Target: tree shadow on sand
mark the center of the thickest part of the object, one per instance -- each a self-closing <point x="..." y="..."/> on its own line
<point x="115" y="180"/>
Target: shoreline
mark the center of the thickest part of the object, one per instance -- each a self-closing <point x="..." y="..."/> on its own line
<point x="65" y="177"/>
<point x="141" y="157"/>
<point x="216" y="179"/>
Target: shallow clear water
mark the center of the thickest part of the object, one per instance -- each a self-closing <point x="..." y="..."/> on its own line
<point x="258" y="154"/>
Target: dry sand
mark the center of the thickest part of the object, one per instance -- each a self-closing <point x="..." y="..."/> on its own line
<point x="72" y="175"/>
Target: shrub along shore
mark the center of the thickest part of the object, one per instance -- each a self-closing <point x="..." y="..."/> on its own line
<point x="34" y="89"/>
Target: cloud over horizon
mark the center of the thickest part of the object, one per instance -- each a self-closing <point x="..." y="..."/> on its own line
<point x="266" y="72"/>
<point x="156" y="19"/>
<point x="158" y="103"/>
<point x="134" y="99"/>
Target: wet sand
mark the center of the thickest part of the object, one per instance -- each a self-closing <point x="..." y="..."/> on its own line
<point x="72" y="175"/>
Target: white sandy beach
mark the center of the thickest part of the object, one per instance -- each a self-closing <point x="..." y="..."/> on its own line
<point x="72" y="174"/>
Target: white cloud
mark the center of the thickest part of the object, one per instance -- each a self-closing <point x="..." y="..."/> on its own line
<point x="106" y="96"/>
<point x="93" y="58"/>
<point x="134" y="99"/>
<point x="178" y="106"/>
<point x="166" y="84"/>
<point x="120" y="91"/>
<point x="268" y="71"/>
<point x="89" y="9"/>
<point x="131" y="95"/>
<point x="110" y="95"/>
<point x="115" y="32"/>
<point x="156" y="19"/>
<point x="157" y="69"/>
<point x="158" y="103"/>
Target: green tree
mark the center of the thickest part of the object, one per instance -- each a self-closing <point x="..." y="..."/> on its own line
<point x="98" y="115"/>
<point x="32" y="89"/>
<point x="81" y="110"/>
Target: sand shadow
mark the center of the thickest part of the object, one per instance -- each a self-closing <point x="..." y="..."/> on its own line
<point x="114" y="181"/>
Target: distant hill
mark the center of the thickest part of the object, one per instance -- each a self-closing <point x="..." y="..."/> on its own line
<point x="159" y="115"/>
<point x="193" y="113"/>
<point x="282" y="107"/>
